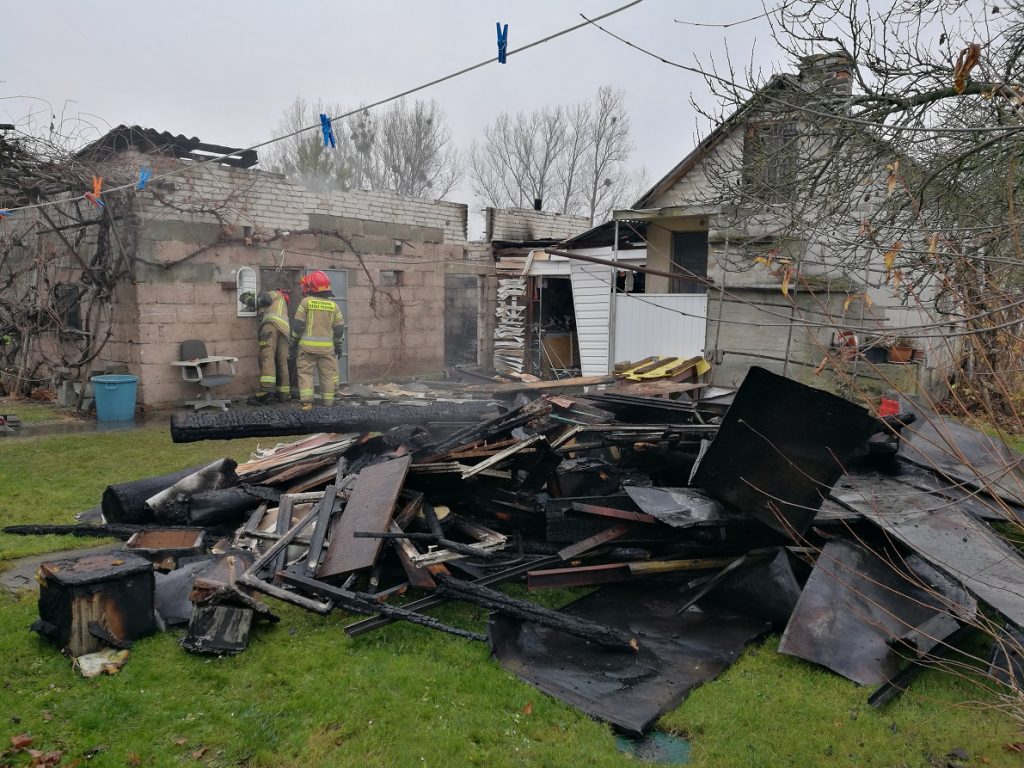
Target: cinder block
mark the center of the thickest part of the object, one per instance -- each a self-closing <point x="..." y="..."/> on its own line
<point x="160" y="353"/>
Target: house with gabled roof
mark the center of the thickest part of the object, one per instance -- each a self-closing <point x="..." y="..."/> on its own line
<point x="732" y="273"/>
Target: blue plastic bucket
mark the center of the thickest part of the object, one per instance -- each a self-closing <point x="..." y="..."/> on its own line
<point x="115" y="397"/>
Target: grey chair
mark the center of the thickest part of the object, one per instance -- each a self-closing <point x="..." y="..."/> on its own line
<point x="199" y="368"/>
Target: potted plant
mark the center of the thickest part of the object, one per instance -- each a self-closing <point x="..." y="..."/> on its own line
<point x="901" y="350"/>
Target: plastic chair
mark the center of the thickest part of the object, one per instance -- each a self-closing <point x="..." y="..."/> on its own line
<point x="199" y="368"/>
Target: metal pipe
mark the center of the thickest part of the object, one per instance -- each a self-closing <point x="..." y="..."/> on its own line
<point x="631" y="268"/>
<point x="612" y="299"/>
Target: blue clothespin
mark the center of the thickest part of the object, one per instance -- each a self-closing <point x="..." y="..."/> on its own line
<point x="502" y="42"/>
<point x="144" y="175"/>
<point x="325" y="126"/>
<point x="4" y="213"/>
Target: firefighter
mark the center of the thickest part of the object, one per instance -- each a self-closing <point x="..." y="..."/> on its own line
<point x="318" y="332"/>
<point x="274" y="347"/>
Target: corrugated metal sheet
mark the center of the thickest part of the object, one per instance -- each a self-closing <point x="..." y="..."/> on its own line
<point x="658" y="324"/>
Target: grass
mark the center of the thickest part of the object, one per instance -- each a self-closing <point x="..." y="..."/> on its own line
<point x="31" y="412"/>
<point x="304" y="694"/>
<point x="50" y="479"/>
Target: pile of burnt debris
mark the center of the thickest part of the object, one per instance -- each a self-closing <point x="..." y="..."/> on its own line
<point x="700" y="524"/>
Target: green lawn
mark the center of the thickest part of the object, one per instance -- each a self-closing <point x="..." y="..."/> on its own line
<point x="50" y="479"/>
<point x="304" y="694"/>
<point x="31" y="412"/>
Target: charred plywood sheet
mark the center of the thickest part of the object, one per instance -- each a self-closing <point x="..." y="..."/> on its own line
<point x="856" y="606"/>
<point x="780" y="448"/>
<point x="963" y="454"/>
<point x="950" y="539"/>
<point x="369" y="508"/>
<point x="678" y="652"/>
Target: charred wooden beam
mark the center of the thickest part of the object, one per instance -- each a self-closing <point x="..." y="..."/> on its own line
<point x="601" y="634"/>
<point x="250" y="578"/>
<point x="126" y="502"/>
<point x="227" y="505"/>
<point x="580" y="576"/>
<point x="593" y="542"/>
<point x="115" y="530"/>
<point x="494" y="428"/>
<point x="619" y="514"/>
<point x="271" y="422"/>
<point x="323" y="519"/>
<point x="432" y="601"/>
<point x="357" y="602"/>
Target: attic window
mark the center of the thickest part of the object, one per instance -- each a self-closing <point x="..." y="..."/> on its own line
<point x="770" y="160"/>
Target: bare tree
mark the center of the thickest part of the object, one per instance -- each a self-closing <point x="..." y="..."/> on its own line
<point x="608" y="149"/>
<point x="516" y="162"/>
<point x="303" y="157"/>
<point x="573" y="159"/>
<point x="409" y="150"/>
<point x="404" y="149"/>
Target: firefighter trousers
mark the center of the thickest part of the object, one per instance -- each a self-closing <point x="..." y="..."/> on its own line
<point x="327" y="368"/>
<point x="274" y="361"/>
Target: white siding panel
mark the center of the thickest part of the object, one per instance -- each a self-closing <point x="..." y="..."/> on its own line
<point x="550" y="268"/>
<point x="591" y="292"/>
<point x="672" y="324"/>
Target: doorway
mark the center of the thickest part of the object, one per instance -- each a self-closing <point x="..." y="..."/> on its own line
<point x="339" y="287"/>
<point x="461" y="307"/>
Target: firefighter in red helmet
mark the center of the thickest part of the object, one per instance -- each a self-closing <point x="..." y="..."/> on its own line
<point x="274" y="346"/>
<point x="318" y="332"/>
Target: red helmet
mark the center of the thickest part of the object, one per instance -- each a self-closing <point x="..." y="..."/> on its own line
<point x="316" y="281"/>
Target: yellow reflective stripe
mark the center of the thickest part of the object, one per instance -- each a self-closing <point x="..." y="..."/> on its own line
<point x="277" y="320"/>
<point x="268" y="379"/>
<point x="307" y="343"/>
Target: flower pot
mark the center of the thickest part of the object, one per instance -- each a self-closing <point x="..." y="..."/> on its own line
<point x="901" y="354"/>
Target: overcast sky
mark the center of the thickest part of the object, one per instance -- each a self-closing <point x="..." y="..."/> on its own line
<point x="224" y="71"/>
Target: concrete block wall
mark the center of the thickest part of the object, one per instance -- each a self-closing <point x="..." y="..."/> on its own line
<point x="237" y="197"/>
<point x="391" y="331"/>
<point x="528" y="224"/>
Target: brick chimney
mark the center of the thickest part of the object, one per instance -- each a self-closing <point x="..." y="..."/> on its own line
<point x="827" y="77"/>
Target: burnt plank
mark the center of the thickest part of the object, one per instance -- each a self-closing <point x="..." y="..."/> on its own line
<point x="619" y="514"/>
<point x="323" y="519"/>
<point x="432" y="601"/>
<point x="608" y="637"/>
<point x="284" y="522"/>
<point x="418" y="577"/>
<point x="369" y="508"/>
<point x="608" y="534"/>
<point x="580" y="576"/>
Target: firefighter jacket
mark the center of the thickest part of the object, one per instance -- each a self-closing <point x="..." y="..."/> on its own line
<point x="319" y="326"/>
<point x="277" y="310"/>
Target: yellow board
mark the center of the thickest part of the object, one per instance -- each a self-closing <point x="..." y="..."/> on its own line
<point x="663" y="367"/>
